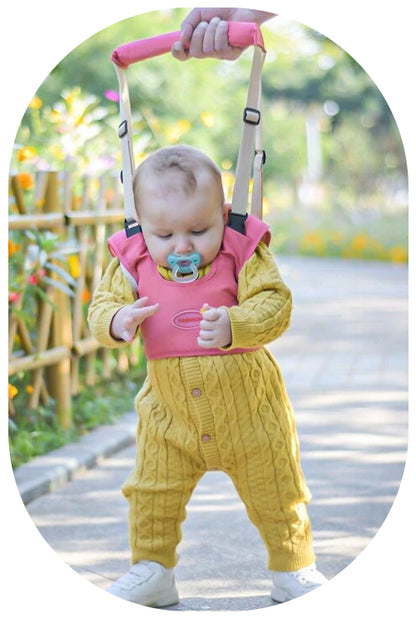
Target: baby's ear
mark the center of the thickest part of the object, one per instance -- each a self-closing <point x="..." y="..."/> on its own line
<point x="226" y="212"/>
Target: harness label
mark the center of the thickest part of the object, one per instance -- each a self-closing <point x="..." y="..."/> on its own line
<point x="187" y="319"/>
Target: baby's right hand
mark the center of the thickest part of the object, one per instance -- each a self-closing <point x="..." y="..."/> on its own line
<point x="128" y="318"/>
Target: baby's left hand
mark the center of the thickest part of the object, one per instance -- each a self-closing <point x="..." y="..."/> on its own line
<point x="215" y="328"/>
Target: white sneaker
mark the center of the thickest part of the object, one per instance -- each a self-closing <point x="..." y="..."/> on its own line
<point x="147" y="583"/>
<point x="290" y="585"/>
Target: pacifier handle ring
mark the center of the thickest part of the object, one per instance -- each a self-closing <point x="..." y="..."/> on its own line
<point x="184" y="279"/>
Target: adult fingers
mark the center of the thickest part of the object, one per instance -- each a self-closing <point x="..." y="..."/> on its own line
<point x="197" y="41"/>
<point x="209" y="40"/>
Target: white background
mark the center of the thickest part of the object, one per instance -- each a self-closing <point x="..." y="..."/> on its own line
<point x="34" y="37"/>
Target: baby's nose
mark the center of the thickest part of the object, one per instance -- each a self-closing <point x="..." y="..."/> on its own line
<point x="183" y="245"/>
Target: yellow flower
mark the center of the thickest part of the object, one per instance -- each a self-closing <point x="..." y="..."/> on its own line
<point x="25" y="153"/>
<point x="35" y="103"/>
<point x="56" y="151"/>
<point x="398" y="254"/>
<point x="26" y="180"/>
<point x="13" y="248"/>
<point x="313" y="241"/>
<point x="29" y="389"/>
<point x="174" y="133"/>
<point x="226" y="164"/>
<point x="13" y="391"/>
<point x="359" y="242"/>
<point x="208" y="119"/>
<point x="266" y="206"/>
<point x="74" y="266"/>
<point x="56" y="116"/>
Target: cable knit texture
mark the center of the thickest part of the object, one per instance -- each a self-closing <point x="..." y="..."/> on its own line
<point x="228" y="413"/>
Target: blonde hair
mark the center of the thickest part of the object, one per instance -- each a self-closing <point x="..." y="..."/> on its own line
<point x="180" y="158"/>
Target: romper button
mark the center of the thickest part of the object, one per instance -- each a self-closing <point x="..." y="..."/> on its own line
<point x="196" y="393"/>
<point x="206" y="438"/>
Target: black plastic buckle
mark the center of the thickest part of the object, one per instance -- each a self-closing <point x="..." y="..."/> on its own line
<point x="122" y="129"/>
<point x="237" y="221"/>
<point x="131" y="226"/>
<point x="261" y="151"/>
<point x="251" y="116"/>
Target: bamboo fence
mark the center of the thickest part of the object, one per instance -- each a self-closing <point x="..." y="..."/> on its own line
<point x="52" y="352"/>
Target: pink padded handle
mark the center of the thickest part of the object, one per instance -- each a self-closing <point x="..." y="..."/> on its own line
<point x="240" y="34"/>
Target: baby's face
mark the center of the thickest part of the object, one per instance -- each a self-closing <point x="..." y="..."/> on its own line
<point x="174" y="222"/>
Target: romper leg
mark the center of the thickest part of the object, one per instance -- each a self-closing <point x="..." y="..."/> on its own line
<point x="159" y="487"/>
<point x="267" y="472"/>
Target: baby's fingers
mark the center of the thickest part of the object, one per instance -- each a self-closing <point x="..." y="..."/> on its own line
<point x="210" y="314"/>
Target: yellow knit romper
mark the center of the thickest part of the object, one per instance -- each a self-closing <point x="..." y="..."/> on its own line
<point x="222" y="412"/>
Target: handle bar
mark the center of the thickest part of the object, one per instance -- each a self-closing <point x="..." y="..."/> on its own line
<point x="240" y="34"/>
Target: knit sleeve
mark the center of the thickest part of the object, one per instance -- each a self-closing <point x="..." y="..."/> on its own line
<point x="265" y="302"/>
<point x="113" y="292"/>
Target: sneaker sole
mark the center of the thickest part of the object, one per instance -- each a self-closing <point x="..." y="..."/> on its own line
<point x="168" y="599"/>
<point x="165" y="598"/>
<point x="279" y="596"/>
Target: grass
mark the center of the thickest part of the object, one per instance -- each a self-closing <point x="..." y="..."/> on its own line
<point x="364" y="235"/>
<point x="37" y="432"/>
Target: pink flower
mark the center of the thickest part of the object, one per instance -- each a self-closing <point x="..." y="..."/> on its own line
<point x="14" y="297"/>
<point x="112" y="95"/>
<point x="32" y="279"/>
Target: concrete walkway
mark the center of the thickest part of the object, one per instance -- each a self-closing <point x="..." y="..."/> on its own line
<point x="344" y="361"/>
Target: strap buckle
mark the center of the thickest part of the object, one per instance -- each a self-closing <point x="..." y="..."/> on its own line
<point x="251" y="116"/>
<point x="237" y="221"/>
<point x="131" y="226"/>
<point x="261" y="151"/>
<point x="122" y="129"/>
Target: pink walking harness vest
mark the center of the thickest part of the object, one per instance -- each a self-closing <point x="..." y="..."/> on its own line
<point x="173" y="330"/>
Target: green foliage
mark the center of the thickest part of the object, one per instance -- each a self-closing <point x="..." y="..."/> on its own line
<point x="37" y="263"/>
<point x="34" y="433"/>
<point x="201" y="102"/>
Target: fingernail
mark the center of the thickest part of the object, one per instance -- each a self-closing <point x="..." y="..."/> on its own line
<point x="177" y="46"/>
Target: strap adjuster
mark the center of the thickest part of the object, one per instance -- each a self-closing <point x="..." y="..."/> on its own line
<point x="261" y="151"/>
<point x="131" y="226"/>
<point x="122" y="129"/>
<point x="251" y="116"/>
<point x="236" y="221"/>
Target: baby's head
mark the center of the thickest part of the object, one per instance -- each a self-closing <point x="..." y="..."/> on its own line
<point x="180" y="204"/>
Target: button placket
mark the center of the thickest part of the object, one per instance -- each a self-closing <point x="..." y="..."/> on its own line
<point x="201" y="411"/>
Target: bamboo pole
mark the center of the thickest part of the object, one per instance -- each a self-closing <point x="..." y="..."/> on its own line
<point x="59" y="382"/>
<point x="39" y="360"/>
<point x="45" y="318"/>
<point x="46" y="221"/>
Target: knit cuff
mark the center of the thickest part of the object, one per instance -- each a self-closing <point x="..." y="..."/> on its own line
<point x="240" y="332"/>
<point x="102" y="330"/>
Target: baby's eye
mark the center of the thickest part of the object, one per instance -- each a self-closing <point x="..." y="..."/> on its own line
<point x="164" y="236"/>
<point x="199" y="232"/>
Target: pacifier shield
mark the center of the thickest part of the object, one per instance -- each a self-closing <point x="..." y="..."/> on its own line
<point x="184" y="268"/>
<point x="185" y="264"/>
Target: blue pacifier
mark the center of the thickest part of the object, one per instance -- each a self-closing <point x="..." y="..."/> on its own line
<point x="184" y="268"/>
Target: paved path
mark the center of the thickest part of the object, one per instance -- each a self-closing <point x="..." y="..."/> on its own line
<point x="344" y="360"/>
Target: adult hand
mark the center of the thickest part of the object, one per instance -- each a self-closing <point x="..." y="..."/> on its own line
<point x="126" y="321"/>
<point x="205" y="31"/>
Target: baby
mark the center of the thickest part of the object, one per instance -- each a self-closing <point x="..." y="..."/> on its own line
<point x="206" y="300"/>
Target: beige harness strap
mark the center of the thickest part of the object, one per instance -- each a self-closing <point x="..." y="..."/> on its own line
<point x="251" y="142"/>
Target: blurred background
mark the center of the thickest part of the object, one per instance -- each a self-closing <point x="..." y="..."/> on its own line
<point x="335" y="185"/>
<point x="335" y="177"/>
